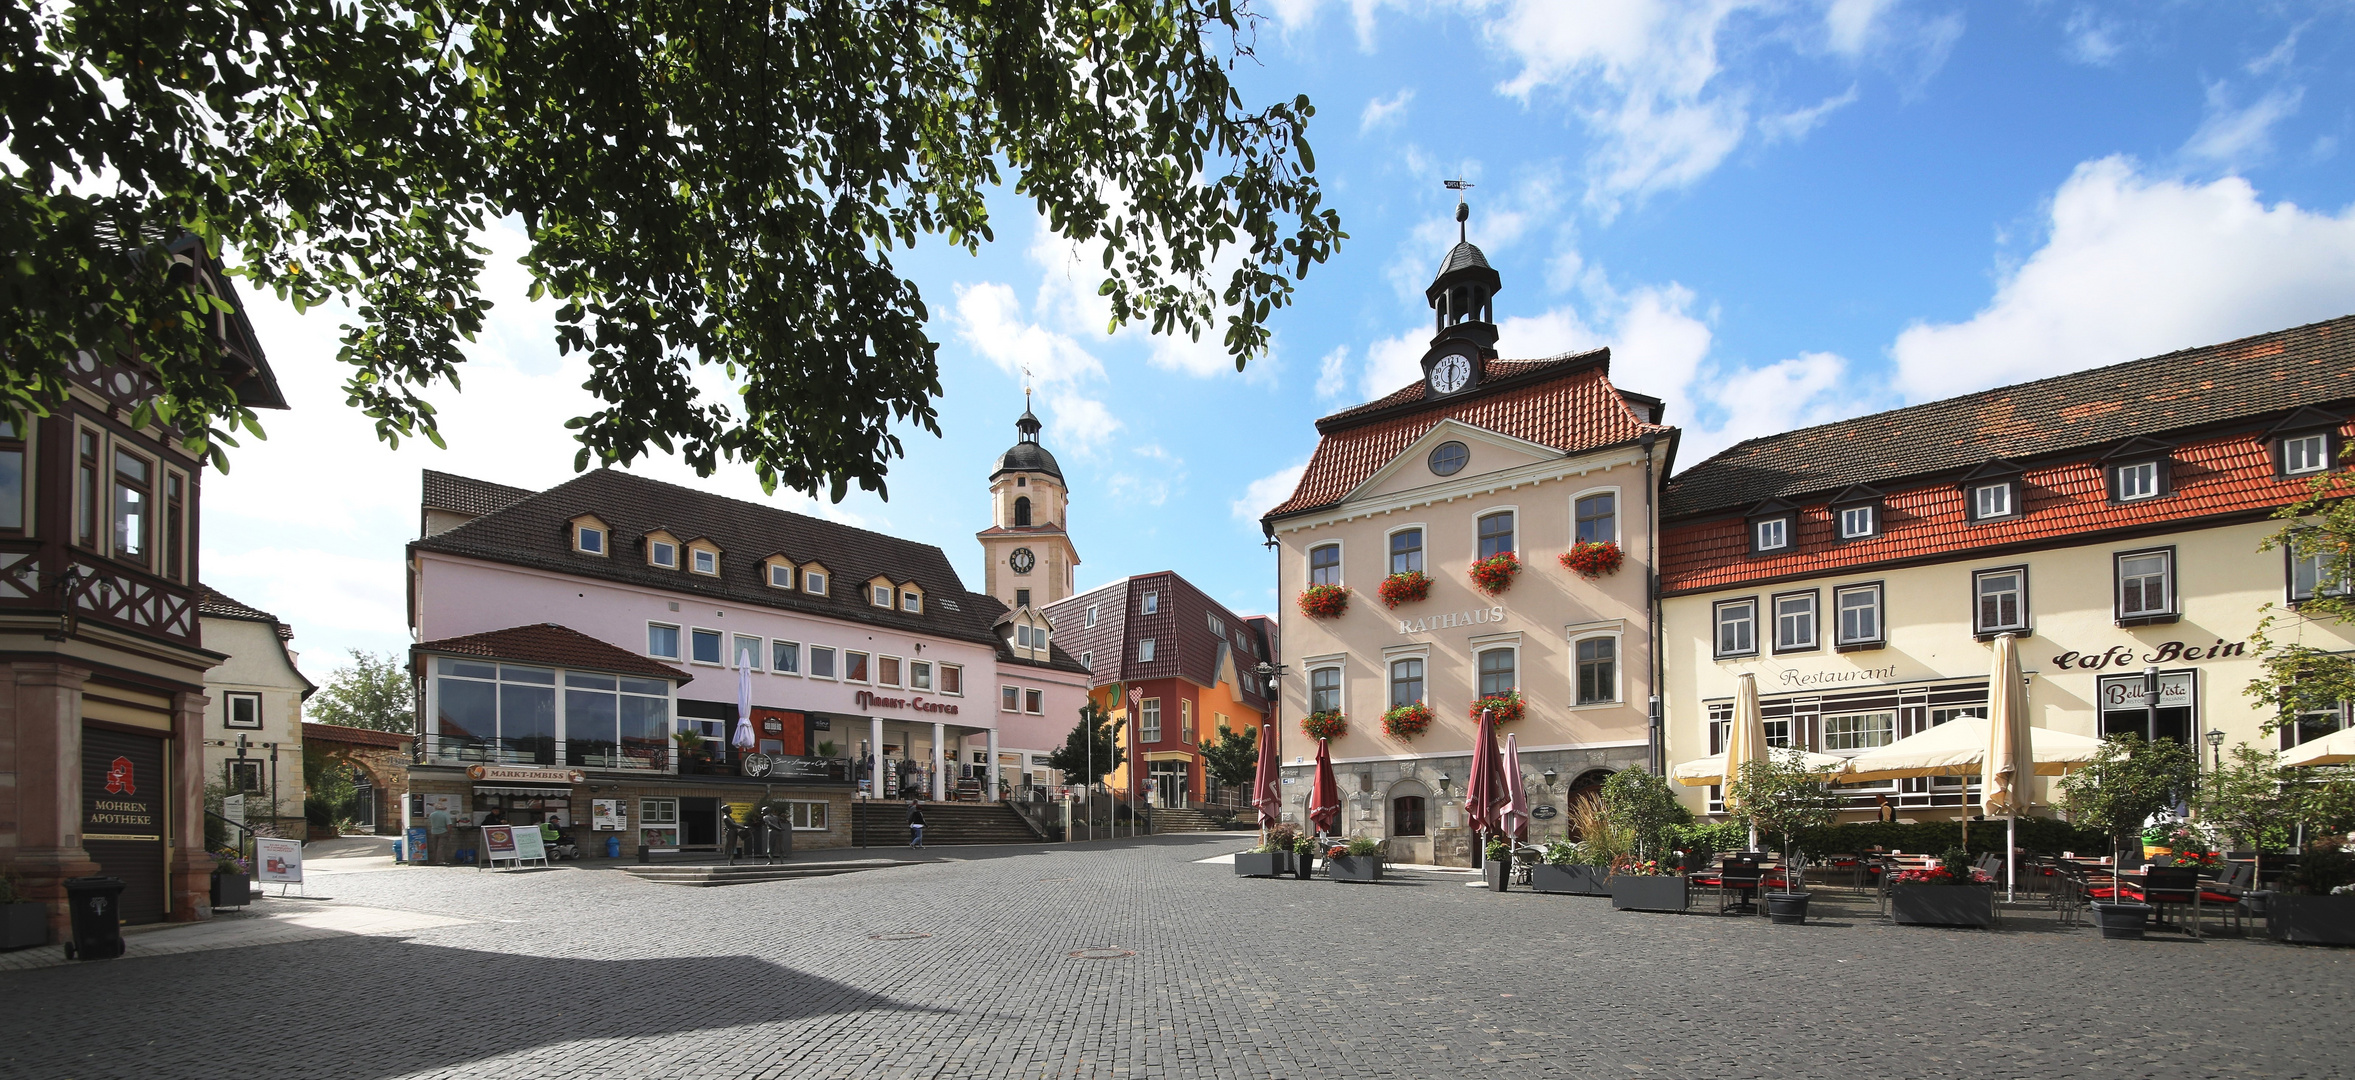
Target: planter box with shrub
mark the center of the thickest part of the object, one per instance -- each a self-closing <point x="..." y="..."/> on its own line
<point x="24" y="924"/>
<point x="1574" y="880"/>
<point x="1499" y="875"/>
<point x="1354" y="868"/>
<point x="1263" y="864"/>
<point x="232" y="890"/>
<point x="1644" y="892"/>
<point x="2121" y="921"/>
<point x="1942" y="905"/>
<point x="2311" y="920"/>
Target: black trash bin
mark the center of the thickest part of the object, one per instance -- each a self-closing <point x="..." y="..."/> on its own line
<point x="95" y="903"/>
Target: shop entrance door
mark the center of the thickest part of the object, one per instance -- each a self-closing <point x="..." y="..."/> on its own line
<point x="1169" y="783"/>
<point x="699" y="823"/>
<point x="123" y="817"/>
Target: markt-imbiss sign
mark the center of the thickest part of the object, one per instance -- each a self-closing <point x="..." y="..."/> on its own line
<point x="522" y="774"/>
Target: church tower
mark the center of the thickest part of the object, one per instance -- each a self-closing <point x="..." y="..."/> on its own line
<point x="1029" y="556"/>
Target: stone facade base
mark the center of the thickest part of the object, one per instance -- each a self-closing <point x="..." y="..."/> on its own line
<point x="1374" y="794"/>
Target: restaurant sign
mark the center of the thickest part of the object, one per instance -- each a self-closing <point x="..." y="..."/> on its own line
<point x="522" y="774"/>
<point x="869" y="700"/>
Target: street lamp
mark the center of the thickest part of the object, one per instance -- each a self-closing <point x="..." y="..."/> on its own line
<point x="1549" y="778"/>
<point x="2150" y="699"/>
<point x="2216" y="748"/>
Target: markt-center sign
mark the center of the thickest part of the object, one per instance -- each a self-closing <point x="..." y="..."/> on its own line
<point x="870" y="700"/>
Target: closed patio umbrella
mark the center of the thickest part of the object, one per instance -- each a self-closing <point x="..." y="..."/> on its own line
<point x="1484" y="793"/>
<point x="2006" y="779"/>
<point x="744" y="739"/>
<point x="1324" y="796"/>
<point x="1267" y="786"/>
<point x="2336" y="748"/>
<point x="1745" y="737"/>
<point x="1515" y="813"/>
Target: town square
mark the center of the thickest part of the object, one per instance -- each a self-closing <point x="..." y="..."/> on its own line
<point x="1224" y="538"/>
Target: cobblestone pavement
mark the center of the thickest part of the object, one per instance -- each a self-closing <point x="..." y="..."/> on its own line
<point x="965" y="968"/>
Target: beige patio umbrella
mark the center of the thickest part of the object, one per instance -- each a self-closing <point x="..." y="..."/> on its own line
<point x="2336" y="748"/>
<point x="1702" y="772"/>
<point x="1745" y="738"/>
<point x="2005" y="780"/>
<point x="1959" y="747"/>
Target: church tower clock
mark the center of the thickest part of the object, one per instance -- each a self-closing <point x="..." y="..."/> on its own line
<point x="1463" y="305"/>
<point x="1029" y="556"/>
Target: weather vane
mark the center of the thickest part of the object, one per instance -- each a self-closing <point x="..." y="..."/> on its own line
<point x="1463" y="212"/>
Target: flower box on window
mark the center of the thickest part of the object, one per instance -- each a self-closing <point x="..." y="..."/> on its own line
<point x="1592" y="559"/>
<point x="1324" y="601"/>
<point x="1495" y="573"/>
<point x="1405" y="587"/>
<point x="1324" y="725"/>
<point x="1407" y="721"/>
<point x="1507" y="706"/>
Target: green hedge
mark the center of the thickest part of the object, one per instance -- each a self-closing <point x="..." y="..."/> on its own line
<point x="2044" y="836"/>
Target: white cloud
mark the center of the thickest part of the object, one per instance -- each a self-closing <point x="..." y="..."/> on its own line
<point x="1850" y="24"/>
<point x="1780" y="396"/>
<point x="1392" y="363"/>
<point x="1380" y="112"/>
<point x="991" y="320"/>
<point x="1333" y="374"/>
<point x="1794" y="125"/>
<point x="2232" y="136"/>
<point x="2092" y="38"/>
<point x="2134" y="267"/>
<point x="1263" y="494"/>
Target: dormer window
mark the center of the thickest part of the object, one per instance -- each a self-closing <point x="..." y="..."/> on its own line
<point x="1773" y="527"/>
<point x="1856" y="513"/>
<point x="1992" y="501"/>
<point x="703" y="558"/>
<point x="2306" y="442"/>
<point x="1991" y="492"/>
<point x="2137" y="469"/>
<point x="780" y="574"/>
<point x="590" y="536"/>
<point x="881" y="594"/>
<point x="2131" y="483"/>
<point x="664" y="554"/>
<point x="813" y="579"/>
<point x="2304" y="454"/>
<point x="911" y="601"/>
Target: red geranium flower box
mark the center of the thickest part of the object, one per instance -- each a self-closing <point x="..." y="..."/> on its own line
<point x="1324" y="601"/>
<point x="1324" y="725"/>
<point x="1407" y="721"/>
<point x="1494" y="574"/>
<point x="1592" y="559"/>
<point x="1405" y="588"/>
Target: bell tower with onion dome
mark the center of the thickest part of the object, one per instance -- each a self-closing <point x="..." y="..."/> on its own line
<point x="1029" y="556"/>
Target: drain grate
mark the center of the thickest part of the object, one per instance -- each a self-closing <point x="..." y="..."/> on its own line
<point x="1100" y="954"/>
<point x="904" y="935"/>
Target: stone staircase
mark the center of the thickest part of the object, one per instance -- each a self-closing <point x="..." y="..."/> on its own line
<point x="705" y="875"/>
<point x="1172" y="820"/>
<point x="886" y="824"/>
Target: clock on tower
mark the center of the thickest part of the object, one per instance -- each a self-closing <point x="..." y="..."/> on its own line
<point x="1463" y="305"/>
<point x="1023" y="561"/>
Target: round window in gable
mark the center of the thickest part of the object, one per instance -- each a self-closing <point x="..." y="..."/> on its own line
<point x="1448" y="458"/>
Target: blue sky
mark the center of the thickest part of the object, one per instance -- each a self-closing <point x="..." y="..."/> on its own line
<point x="1775" y="213"/>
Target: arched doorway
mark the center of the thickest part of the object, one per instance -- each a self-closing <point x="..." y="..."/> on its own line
<point x="1588" y="785"/>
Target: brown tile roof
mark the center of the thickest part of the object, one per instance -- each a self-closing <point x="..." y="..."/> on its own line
<point x="466" y="495"/>
<point x="2268" y="374"/>
<point x="211" y="603"/>
<point x="1567" y="403"/>
<point x="2215" y="477"/>
<point x="554" y="645"/>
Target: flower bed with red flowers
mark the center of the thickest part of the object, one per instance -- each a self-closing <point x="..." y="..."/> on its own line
<point x="1938" y="875"/>
<point x="1592" y="559"/>
<point x="1495" y="573"/>
<point x="1643" y="868"/>
<point x="1507" y="706"/>
<point x="1407" y="721"/>
<point x="1324" y="725"/>
<point x="1405" y="588"/>
<point x="1324" y="601"/>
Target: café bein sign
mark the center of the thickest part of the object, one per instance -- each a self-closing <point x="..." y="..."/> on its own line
<point x="2167" y="652"/>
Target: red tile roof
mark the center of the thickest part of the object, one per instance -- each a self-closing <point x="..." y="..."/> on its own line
<point x="1567" y="403"/>
<point x="2216" y="477"/>
<point x="555" y="646"/>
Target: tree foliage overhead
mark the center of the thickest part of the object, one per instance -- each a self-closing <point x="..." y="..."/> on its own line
<point x="702" y="183"/>
<point x="371" y="692"/>
<point x="2296" y="675"/>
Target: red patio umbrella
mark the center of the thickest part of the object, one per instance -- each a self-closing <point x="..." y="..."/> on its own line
<point x="1484" y="795"/>
<point x="1267" y="788"/>
<point x="1324" y="799"/>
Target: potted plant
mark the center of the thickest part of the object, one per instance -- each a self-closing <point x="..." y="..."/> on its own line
<point x="232" y="880"/>
<point x="1304" y="855"/>
<point x="1782" y="795"/>
<point x="1358" y="860"/>
<point x="1642" y="805"/>
<point x="24" y="921"/>
<point x="1272" y="858"/>
<point x="1324" y="725"/>
<point x="2128" y="781"/>
<point x="1497" y="867"/>
<point x="1591" y="559"/>
<point x="1647" y="885"/>
<point x="1507" y="706"/>
<point x="1951" y="893"/>
<point x="2315" y="904"/>
<point x="1568" y="869"/>
<point x="1407" y="721"/>
<point x="1495" y="573"/>
<point x="1404" y="587"/>
<point x="1324" y="601"/>
<point x="690" y="744"/>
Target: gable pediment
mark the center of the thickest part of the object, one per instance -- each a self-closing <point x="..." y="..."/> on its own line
<point x="1490" y="452"/>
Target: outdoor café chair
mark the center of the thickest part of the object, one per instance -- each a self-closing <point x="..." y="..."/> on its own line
<point x="2173" y="887"/>
<point x="1737" y="883"/>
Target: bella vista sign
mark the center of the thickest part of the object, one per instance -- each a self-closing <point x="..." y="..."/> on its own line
<point x="2167" y="652"/>
<point x="868" y="700"/>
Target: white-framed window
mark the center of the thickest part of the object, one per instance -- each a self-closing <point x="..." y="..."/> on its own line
<point x="1010" y="699"/>
<point x="662" y="639"/>
<point x="1218" y="626"/>
<point x="485" y="711"/>
<point x="1497" y="669"/>
<point x="1324" y="564"/>
<point x="821" y="662"/>
<point x="706" y="646"/>
<point x="1145" y="650"/>
<point x="588" y="539"/>
<point x="1149" y="721"/>
<point x="1088" y="660"/>
<point x="747" y="651"/>
<point x="2302" y="454"/>
<point x="1324" y="690"/>
<point x="1992" y="500"/>
<point x="1151" y="603"/>
<point x="1770" y="534"/>
<point x="1737" y="626"/>
<point x="919" y="674"/>
<point x="658" y="812"/>
<point x="2136" y="481"/>
<point x="1859" y="731"/>
<point x="706" y="561"/>
<point x="911" y="601"/>
<point x="1794" y="622"/>
<point x="785" y="657"/>
<point x="813" y="581"/>
<point x="806" y="816"/>
<point x="781" y="577"/>
<point x="1594" y="517"/>
<point x="1406" y="550"/>
<point x="880" y="596"/>
<point x="1406" y="681"/>
<point x="1034" y="702"/>
<point x="2146" y="584"/>
<point x="662" y="553"/>
<point x="1999" y="599"/>
<point x="1494" y="531"/>
<point x="952" y="679"/>
<point x="241" y="710"/>
<point x="887" y="671"/>
<point x="1859" y="522"/>
<point x="1090" y="620"/>
<point x="1022" y="635"/>
<point x="2316" y="574"/>
<point x="1597" y="659"/>
<point x="854" y="666"/>
<point x="1858" y="609"/>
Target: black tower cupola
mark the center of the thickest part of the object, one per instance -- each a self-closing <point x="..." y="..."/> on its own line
<point x="1463" y="303"/>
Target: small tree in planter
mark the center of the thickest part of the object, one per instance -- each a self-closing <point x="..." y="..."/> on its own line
<point x="1641" y="803"/>
<point x="1782" y="795"/>
<point x="1495" y="573"/>
<point x="2128" y="781"/>
<point x="1324" y="725"/>
<point x="1591" y="559"/>
<point x="1507" y="706"/>
<point x="1407" y="721"/>
<point x="1405" y="587"/>
<point x="1324" y="601"/>
<point x="2252" y="801"/>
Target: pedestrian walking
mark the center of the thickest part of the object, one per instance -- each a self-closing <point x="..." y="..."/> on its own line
<point x="915" y="824"/>
<point x="437" y="837"/>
